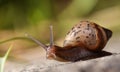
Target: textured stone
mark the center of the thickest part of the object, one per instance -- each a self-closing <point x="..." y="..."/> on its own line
<point x="103" y="64"/>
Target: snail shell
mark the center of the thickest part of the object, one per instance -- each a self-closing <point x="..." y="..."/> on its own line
<point x="87" y="35"/>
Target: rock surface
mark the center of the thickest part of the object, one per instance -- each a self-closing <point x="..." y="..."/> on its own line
<point x="103" y="64"/>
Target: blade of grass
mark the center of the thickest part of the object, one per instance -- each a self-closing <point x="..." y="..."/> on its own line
<point x="15" y="38"/>
<point x="3" y="59"/>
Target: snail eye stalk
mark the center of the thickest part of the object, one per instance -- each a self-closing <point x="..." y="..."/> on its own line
<point x="36" y="41"/>
<point x="51" y="36"/>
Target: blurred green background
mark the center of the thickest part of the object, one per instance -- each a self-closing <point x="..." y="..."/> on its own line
<point x="35" y="16"/>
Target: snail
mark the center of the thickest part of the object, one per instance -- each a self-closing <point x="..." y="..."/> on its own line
<point x="85" y="40"/>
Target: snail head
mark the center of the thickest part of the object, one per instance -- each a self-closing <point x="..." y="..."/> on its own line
<point x="50" y="49"/>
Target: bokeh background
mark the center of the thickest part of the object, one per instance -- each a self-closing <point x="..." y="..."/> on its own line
<point x="35" y="16"/>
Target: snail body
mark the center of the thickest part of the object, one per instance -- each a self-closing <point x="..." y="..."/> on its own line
<point x="85" y="40"/>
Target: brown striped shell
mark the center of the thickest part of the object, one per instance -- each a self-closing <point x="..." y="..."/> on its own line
<point x="87" y="35"/>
